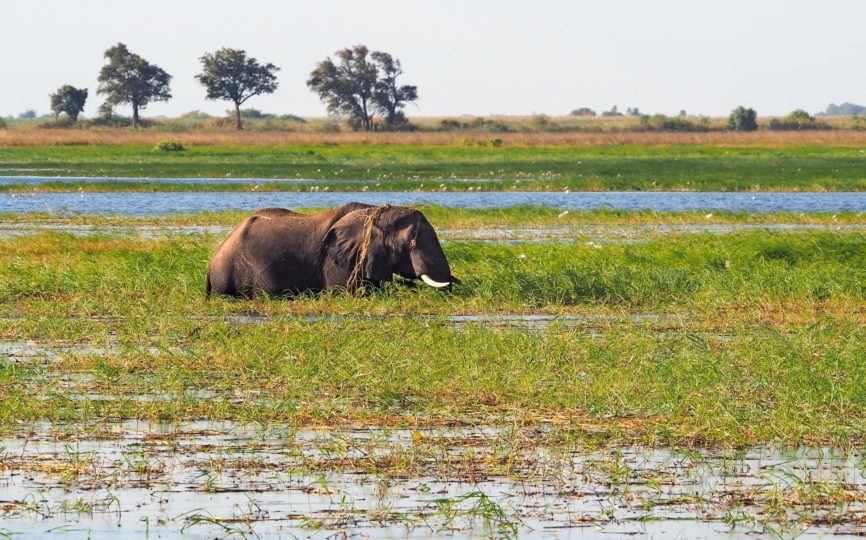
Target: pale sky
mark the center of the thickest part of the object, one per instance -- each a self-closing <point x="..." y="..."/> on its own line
<point x="466" y="57"/>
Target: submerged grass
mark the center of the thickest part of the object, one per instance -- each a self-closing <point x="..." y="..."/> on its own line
<point x="417" y="167"/>
<point x="626" y="385"/>
<point x="443" y="216"/>
<point x="762" y="340"/>
<point x="488" y="481"/>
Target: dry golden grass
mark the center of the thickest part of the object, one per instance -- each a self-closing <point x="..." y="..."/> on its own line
<point x="29" y="136"/>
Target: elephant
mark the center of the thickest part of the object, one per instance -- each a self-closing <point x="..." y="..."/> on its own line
<point x="280" y="252"/>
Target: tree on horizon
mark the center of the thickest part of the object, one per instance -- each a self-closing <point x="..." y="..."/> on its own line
<point x="129" y="78"/>
<point x="361" y="84"/>
<point x="743" y="119"/>
<point x="228" y="74"/>
<point x="70" y="100"/>
<point x="389" y="96"/>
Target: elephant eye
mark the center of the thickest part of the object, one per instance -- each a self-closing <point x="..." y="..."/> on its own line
<point x="415" y="234"/>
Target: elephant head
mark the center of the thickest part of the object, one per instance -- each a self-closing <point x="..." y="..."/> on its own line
<point x="372" y="244"/>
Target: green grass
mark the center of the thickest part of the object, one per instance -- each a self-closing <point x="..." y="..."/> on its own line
<point x="442" y="216"/>
<point x="760" y="339"/>
<point x="406" y="167"/>
<point x="101" y="274"/>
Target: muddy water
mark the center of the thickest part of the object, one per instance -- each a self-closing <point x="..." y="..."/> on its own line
<point x="159" y="203"/>
<point x="221" y="479"/>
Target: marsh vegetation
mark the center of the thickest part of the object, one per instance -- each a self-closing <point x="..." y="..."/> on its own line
<point x="624" y="371"/>
<point x="386" y="167"/>
<point x="221" y="479"/>
<point x="756" y="336"/>
<point x="623" y="386"/>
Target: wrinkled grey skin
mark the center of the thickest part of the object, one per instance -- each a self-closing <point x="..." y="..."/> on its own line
<point x="281" y="252"/>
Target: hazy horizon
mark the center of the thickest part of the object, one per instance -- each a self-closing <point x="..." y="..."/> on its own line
<point x="479" y="58"/>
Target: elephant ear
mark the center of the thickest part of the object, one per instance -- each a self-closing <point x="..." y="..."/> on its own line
<point x="344" y="243"/>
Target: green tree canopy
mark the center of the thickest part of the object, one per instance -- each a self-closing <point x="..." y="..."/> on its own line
<point x="129" y="78"/>
<point x="347" y="88"/>
<point x="361" y="84"/>
<point x="743" y="119"/>
<point x="230" y="75"/>
<point x="390" y="98"/>
<point x="70" y="100"/>
<point x="799" y="115"/>
<point x="797" y="120"/>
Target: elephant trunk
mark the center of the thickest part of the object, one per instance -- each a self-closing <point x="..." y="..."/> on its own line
<point x="428" y="261"/>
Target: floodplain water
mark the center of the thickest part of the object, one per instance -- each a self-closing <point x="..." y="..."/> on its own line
<point x="137" y="203"/>
<point x="506" y="235"/>
<point x="207" y="479"/>
<point x="218" y="479"/>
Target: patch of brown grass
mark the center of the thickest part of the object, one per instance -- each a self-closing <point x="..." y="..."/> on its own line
<point x="29" y="136"/>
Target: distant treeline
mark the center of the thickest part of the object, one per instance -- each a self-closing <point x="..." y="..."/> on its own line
<point x="259" y="121"/>
<point x="362" y="86"/>
<point x="845" y="109"/>
<point x="740" y="119"/>
<point x="361" y="92"/>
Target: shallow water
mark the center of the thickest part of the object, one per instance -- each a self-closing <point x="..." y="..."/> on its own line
<point x="24" y="349"/>
<point x="219" y="478"/>
<point x="591" y="234"/>
<point x="11" y="230"/>
<point x="34" y="352"/>
<point x="532" y="321"/>
<point x="159" y="203"/>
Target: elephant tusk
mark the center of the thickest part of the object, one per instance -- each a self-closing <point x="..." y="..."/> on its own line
<point x="426" y="279"/>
